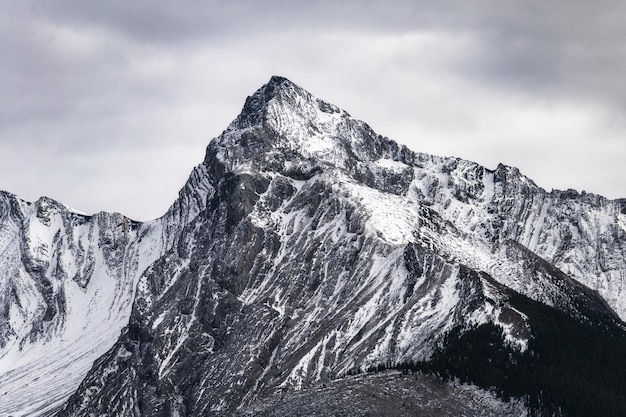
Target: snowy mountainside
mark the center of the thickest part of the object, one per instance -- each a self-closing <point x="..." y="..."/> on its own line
<point x="262" y="299"/>
<point x="312" y="247"/>
<point x="304" y="247"/>
<point x="584" y="235"/>
<point x="67" y="290"/>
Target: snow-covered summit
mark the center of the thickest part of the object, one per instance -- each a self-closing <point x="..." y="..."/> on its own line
<point x="284" y="129"/>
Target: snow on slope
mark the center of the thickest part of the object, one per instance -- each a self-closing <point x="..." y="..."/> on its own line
<point x="68" y="283"/>
<point x="320" y="290"/>
<point x="578" y="233"/>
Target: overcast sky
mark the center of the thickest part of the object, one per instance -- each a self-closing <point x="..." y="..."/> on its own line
<point x="109" y="105"/>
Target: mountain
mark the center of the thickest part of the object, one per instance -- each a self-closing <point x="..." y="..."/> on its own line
<point x="304" y="249"/>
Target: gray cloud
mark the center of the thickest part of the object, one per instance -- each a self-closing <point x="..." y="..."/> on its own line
<point x="108" y="105"/>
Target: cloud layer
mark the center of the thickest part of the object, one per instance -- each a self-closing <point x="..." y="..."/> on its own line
<point x="109" y="105"/>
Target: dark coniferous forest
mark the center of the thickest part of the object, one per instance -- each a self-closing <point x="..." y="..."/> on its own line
<point x="571" y="368"/>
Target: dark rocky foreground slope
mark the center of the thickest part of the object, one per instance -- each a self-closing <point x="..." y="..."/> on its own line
<point x="390" y="394"/>
<point x="305" y="248"/>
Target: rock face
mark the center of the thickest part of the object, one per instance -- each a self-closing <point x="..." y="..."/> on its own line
<point x="384" y="394"/>
<point x="304" y="247"/>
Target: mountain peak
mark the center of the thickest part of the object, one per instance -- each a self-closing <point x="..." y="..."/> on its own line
<point x="277" y="81"/>
<point x="282" y="120"/>
<point x="278" y="87"/>
<point x="255" y="108"/>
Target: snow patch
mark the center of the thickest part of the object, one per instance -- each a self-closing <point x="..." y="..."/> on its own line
<point x="391" y="164"/>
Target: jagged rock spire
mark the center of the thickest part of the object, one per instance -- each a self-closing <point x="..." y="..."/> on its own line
<point x="255" y="108"/>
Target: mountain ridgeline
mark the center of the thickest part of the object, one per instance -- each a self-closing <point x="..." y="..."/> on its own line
<point x="303" y="251"/>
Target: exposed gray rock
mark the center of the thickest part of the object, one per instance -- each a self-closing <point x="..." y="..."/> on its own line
<point x="389" y="394"/>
